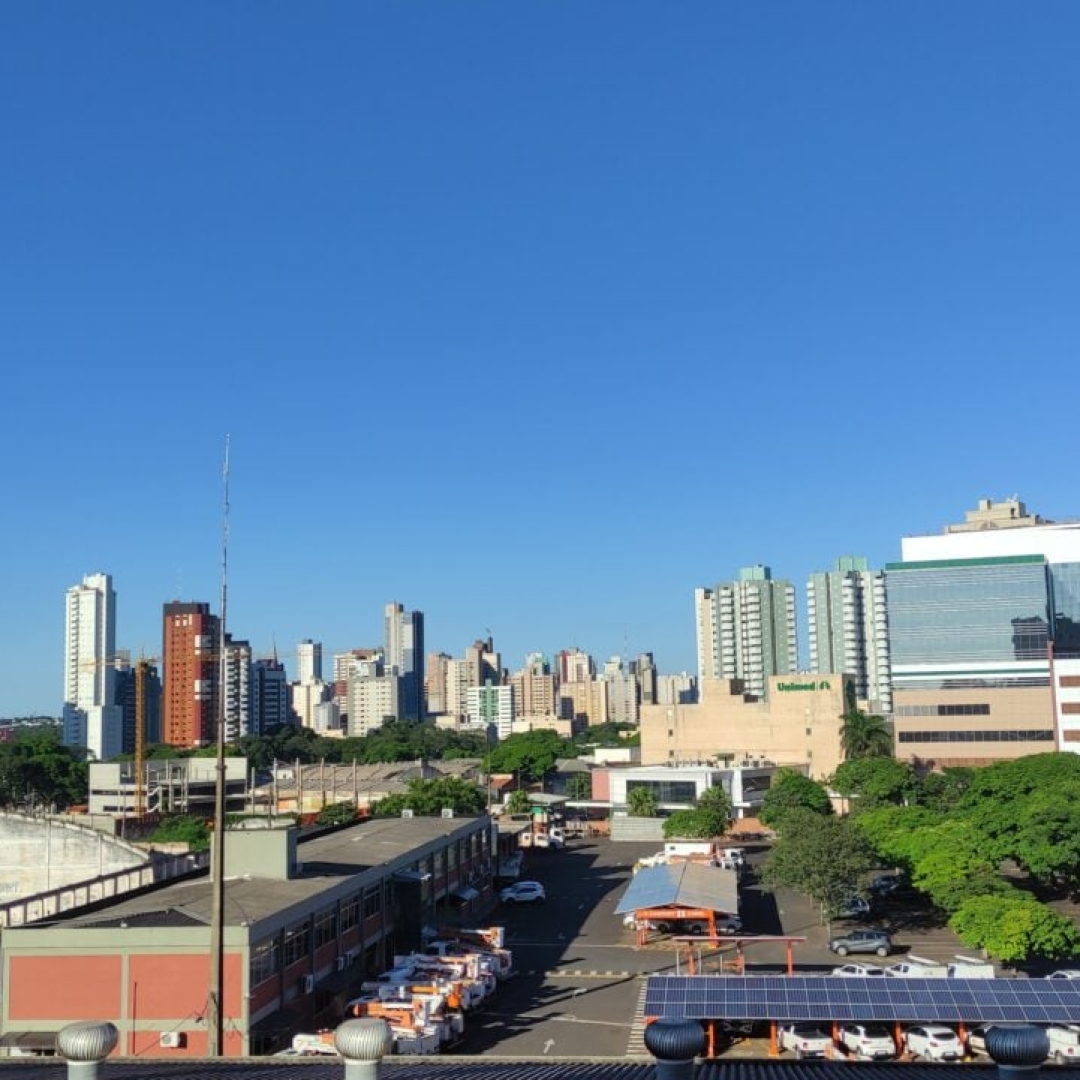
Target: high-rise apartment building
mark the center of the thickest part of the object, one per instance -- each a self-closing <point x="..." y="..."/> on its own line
<point x="404" y="635"/>
<point x="238" y="689"/>
<point x="535" y="689"/>
<point x="127" y="694"/>
<point x="982" y="636"/>
<point x="190" y="674"/>
<point x="849" y="629"/>
<point x="373" y="696"/>
<point x="435" y="680"/>
<point x="269" y="696"/>
<point x="746" y="629"/>
<point x="492" y="706"/>
<point x="91" y="715"/>
<point x="308" y="661"/>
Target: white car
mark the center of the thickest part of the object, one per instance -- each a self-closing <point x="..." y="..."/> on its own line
<point x="934" y="1042"/>
<point x="1065" y="973"/>
<point x="1064" y="1042"/>
<point x="523" y="892"/>
<point x="871" y="1041"/>
<point x="807" y="1040"/>
<point x="858" y="971"/>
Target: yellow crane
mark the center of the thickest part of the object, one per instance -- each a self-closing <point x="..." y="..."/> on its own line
<point x="141" y="668"/>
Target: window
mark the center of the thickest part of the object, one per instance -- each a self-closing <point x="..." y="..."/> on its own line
<point x="325" y="927"/>
<point x="372" y="902"/>
<point x="1070" y="708"/>
<point x="295" y="946"/>
<point x="974" y="736"/>
<point x="350" y="913"/>
<point x="265" y="961"/>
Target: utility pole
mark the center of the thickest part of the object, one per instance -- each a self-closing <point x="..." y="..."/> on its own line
<point x="216" y="1011"/>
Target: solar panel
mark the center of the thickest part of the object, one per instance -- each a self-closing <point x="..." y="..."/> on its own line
<point x="783" y="998"/>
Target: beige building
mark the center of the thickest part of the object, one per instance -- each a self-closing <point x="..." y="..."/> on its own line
<point x="798" y="724"/>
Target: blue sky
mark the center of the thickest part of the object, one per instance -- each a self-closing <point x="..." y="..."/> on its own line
<point x="532" y="316"/>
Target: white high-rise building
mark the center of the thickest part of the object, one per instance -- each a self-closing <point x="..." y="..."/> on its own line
<point x="849" y="629"/>
<point x="746" y="629"/>
<point x="92" y="718"/>
<point x="237" y="689"/>
<point x="308" y="662"/>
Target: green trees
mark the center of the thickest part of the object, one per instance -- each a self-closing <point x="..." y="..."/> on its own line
<point x="823" y="856"/>
<point x="428" y="798"/>
<point x="518" y="802"/>
<point x="579" y="786"/>
<point x="531" y="755"/>
<point x="38" y="770"/>
<point x="1019" y="813"/>
<point x="641" y="802"/>
<point x="872" y="780"/>
<point x="336" y="813"/>
<point x="1015" y="927"/>
<point x="791" y="790"/>
<point x="863" y="735"/>
<point x="710" y="817"/>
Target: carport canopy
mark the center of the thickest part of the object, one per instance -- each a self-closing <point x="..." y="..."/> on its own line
<point x="681" y="885"/>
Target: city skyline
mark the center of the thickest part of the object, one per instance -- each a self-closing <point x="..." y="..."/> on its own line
<point x="534" y="318"/>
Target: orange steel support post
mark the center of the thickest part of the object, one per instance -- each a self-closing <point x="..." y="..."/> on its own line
<point x="774" y="1046"/>
<point x="790" y="958"/>
<point x="897" y="1038"/>
<point x="712" y="1038"/>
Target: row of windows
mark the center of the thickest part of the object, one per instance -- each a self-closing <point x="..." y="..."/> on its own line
<point x="943" y="710"/>
<point x="975" y="736"/>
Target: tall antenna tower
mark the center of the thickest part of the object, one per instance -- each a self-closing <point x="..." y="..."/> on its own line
<point x="215" y="1012"/>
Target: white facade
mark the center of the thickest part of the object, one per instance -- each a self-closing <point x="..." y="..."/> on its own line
<point x="237" y="704"/>
<point x="684" y="785"/>
<point x="92" y="718"/>
<point x="305" y="699"/>
<point x="371" y="700"/>
<point x="308" y="662"/>
<point x="491" y="705"/>
<point x="747" y="629"/>
<point x="849" y="629"/>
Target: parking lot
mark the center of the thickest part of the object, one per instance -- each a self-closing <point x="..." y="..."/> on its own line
<point x="579" y="981"/>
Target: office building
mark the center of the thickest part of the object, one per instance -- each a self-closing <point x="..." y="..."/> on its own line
<point x="91" y="715"/>
<point x="404" y="635"/>
<point x="797" y="723"/>
<point x="269" y="696"/>
<point x="746" y="629"/>
<point x="127" y="693"/>
<point x="982" y="638"/>
<point x="190" y="674"/>
<point x="849" y="629"/>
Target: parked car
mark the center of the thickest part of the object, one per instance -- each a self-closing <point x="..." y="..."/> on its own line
<point x="886" y="884"/>
<point x="935" y="1042"/>
<point x="854" y="907"/>
<point x="728" y="924"/>
<point x="523" y="892"/>
<point x="1064" y="1042"/>
<point x="914" y="968"/>
<point x="858" y="971"/>
<point x="806" y="1040"/>
<point x="871" y="1041"/>
<point x="862" y="941"/>
<point x="1065" y="973"/>
<point x="977" y="1038"/>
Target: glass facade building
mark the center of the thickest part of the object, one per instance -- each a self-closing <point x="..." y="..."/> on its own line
<point x="970" y="622"/>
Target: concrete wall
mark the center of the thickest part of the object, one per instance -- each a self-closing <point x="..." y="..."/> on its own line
<point x="38" y="854"/>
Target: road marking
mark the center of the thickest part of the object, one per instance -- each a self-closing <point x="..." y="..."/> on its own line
<point x="635" y="1046"/>
<point x="582" y="973"/>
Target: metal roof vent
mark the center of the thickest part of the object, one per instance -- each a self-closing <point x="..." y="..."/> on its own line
<point x="363" y="1043"/>
<point x="1017" y="1051"/>
<point x="85" y="1045"/>
<point x="674" y="1043"/>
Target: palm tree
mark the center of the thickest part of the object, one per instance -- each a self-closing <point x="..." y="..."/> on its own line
<point x="865" y="736"/>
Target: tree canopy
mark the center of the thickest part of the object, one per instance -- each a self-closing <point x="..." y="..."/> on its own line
<point x="428" y="798"/>
<point x="872" y="780"/>
<point x="792" y="790"/>
<point x="530" y="755"/>
<point x="824" y="856"/>
<point x="711" y="816"/>
<point x="38" y="770"/>
<point x="641" y="802"/>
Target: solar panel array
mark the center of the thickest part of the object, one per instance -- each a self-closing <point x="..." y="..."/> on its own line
<point x="783" y="998"/>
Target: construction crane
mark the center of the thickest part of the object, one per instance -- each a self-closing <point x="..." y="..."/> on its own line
<point x="122" y="662"/>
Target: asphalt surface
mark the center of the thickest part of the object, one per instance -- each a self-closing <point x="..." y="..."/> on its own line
<point x="580" y="974"/>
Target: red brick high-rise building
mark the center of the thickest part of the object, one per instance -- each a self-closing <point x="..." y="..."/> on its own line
<point x="190" y="674"/>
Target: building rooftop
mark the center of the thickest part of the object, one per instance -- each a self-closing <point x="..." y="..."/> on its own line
<point x="325" y="863"/>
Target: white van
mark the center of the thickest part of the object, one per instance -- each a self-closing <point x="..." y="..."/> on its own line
<point x="968" y="967"/>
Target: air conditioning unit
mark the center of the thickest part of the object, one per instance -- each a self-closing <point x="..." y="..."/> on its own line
<point x="308" y="983"/>
<point x="171" y="1040"/>
<point x="352" y="954"/>
<point x="447" y="811"/>
<point x="342" y="963"/>
<point x="407" y="813"/>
